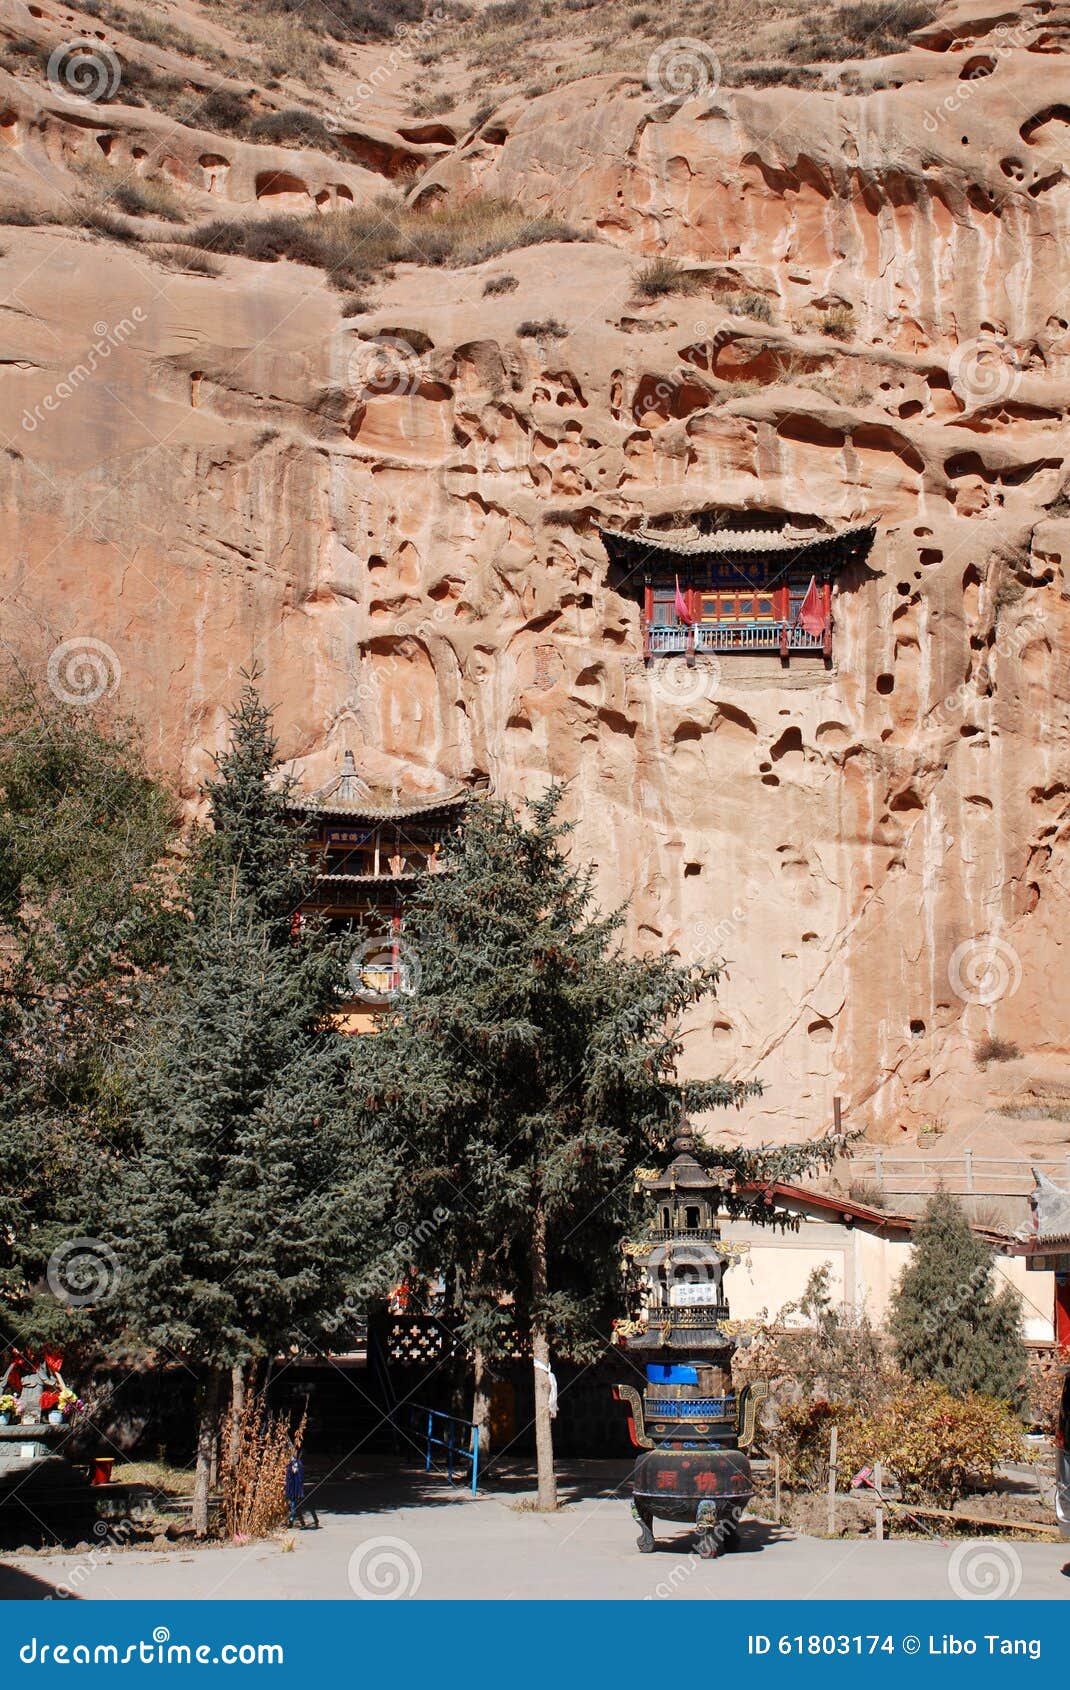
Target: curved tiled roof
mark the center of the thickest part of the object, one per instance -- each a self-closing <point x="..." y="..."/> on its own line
<point x="690" y="542"/>
<point x="348" y="794"/>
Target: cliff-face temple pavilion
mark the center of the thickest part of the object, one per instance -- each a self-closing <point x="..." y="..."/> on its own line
<point x="371" y="850"/>
<point x="766" y="587"/>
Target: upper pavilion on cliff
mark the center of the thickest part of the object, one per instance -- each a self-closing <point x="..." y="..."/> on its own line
<point x="721" y="587"/>
<point x="371" y="849"/>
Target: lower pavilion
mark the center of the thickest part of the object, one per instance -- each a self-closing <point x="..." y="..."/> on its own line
<point x="720" y="587"/>
<point x="372" y="848"/>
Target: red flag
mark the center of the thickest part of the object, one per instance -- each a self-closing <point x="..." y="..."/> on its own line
<point x="680" y="606"/>
<point x="811" y="615"/>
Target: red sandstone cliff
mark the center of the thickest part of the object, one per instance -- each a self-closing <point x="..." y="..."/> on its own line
<point x="399" y="512"/>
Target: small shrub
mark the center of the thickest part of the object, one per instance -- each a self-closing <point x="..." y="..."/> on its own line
<point x="750" y="305"/>
<point x="185" y="259"/>
<point x="255" y="1446"/>
<point x="140" y="198"/>
<point x="294" y="127"/>
<point x="838" y="321"/>
<point x="549" y="329"/>
<point x="21" y="217"/>
<point x="1046" y="1393"/>
<point x="659" y="277"/>
<point x="355" y="305"/>
<point x="802" y="1439"/>
<point x="100" y="221"/>
<point x="994" y="1049"/>
<point x="937" y="1445"/>
<point x="868" y="1195"/>
<point x="501" y="284"/>
<point x="223" y="110"/>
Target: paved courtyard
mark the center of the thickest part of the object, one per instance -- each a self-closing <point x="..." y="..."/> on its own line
<point x="403" y="1536"/>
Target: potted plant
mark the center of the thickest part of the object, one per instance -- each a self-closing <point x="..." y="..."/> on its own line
<point x="9" y="1409"/>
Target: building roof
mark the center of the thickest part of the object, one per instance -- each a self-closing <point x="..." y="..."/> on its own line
<point x="349" y="796"/>
<point x="1051" y="1215"/>
<point x="691" y="542"/>
<point x="845" y="1209"/>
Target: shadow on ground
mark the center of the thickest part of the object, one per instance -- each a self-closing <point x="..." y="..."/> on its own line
<point x="17" y="1586"/>
<point x="381" y="1484"/>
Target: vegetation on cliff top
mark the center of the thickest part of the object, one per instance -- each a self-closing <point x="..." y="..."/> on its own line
<point x="356" y="245"/>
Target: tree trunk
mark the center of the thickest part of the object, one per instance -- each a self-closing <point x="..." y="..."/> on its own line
<point x="540" y="1355"/>
<point x="481" y="1402"/>
<point x="207" y="1435"/>
<point x="237" y="1408"/>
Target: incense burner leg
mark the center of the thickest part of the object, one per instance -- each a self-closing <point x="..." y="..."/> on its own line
<point x="646" y="1540"/>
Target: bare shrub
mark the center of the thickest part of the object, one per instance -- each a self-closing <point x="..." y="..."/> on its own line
<point x="660" y="276"/>
<point x="548" y="329"/>
<point x="994" y="1049"/>
<point x="255" y="1447"/>
<point x="358" y="244"/>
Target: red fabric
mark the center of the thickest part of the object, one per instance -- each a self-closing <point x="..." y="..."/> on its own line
<point x="49" y="1399"/>
<point x="54" y="1360"/>
<point x="1062" y="1309"/>
<point x="679" y="604"/>
<point x="811" y="614"/>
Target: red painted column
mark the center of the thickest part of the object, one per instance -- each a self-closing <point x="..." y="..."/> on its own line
<point x="648" y="617"/>
<point x="1062" y="1309"/>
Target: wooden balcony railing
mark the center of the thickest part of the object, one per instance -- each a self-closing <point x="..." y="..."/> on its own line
<point x="735" y="636"/>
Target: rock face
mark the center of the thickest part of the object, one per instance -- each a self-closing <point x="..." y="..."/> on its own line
<point x="399" y="514"/>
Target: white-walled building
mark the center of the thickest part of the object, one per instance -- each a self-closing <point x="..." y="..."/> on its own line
<point x="865" y="1250"/>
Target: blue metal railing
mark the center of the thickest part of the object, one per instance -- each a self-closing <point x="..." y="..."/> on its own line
<point x="452" y="1438"/>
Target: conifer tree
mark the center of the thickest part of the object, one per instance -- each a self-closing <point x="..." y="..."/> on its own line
<point x="85" y="919"/>
<point x="248" y="1209"/>
<point x="527" y="1071"/>
<point x="947" y="1320"/>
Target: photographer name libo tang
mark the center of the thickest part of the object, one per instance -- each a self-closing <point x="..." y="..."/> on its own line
<point x="990" y="1644"/>
<point x="877" y="1643"/>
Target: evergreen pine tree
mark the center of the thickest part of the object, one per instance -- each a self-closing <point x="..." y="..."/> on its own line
<point x="252" y="840"/>
<point x="528" y="1071"/>
<point x="247" y="1212"/>
<point x="947" y="1320"/>
<point x="85" y="919"/>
